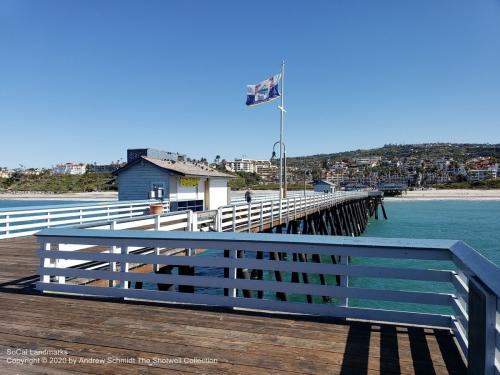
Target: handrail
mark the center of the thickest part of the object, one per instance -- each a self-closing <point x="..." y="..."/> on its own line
<point x="58" y="207"/>
<point x="469" y="274"/>
<point x="27" y="221"/>
<point x="24" y="221"/>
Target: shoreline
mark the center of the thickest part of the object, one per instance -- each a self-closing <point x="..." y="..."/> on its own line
<point x="432" y="194"/>
<point x="448" y="194"/>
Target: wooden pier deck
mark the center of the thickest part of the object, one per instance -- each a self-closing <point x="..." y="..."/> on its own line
<point x="129" y="334"/>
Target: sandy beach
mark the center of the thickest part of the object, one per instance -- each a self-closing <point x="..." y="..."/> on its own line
<point x="105" y="195"/>
<point x="434" y="194"/>
<point x="492" y="194"/>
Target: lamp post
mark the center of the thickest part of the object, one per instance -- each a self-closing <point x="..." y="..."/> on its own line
<point x="282" y="191"/>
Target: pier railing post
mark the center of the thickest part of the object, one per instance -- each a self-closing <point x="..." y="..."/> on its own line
<point x="261" y="224"/>
<point x="272" y="213"/>
<point x="287" y="210"/>
<point x="45" y="261"/>
<point x="280" y="209"/>
<point x="294" y="208"/>
<point x="59" y="263"/>
<point x="192" y="226"/>
<point x="249" y="214"/>
<point x="7" y="224"/>
<point x="124" y="250"/>
<point x="234" y="218"/>
<point x="113" y="265"/>
<point x="156" y="266"/>
<point x="218" y="220"/>
<point x="482" y="309"/>
<point x="233" y="254"/>
<point x="344" y="281"/>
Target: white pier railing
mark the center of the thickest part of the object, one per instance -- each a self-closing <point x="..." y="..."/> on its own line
<point x="244" y="216"/>
<point x="239" y="196"/>
<point x="25" y="221"/>
<point x="474" y="304"/>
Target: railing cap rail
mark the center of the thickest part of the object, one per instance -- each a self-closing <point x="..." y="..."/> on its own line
<point x="264" y="238"/>
<point x="96" y="203"/>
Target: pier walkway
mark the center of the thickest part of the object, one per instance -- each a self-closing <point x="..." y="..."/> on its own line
<point x="118" y="298"/>
<point x="241" y="342"/>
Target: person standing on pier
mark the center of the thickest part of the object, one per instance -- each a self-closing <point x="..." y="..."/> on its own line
<point x="248" y="196"/>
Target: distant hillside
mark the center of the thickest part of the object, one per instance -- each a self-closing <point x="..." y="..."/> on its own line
<point x="458" y="151"/>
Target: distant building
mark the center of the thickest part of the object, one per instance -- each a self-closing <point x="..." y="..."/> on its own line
<point x="247" y="165"/>
<point x="264" y="168"/>
<point x="104" y="168"/>
<point x="323" y="186"/>
<point x="476" y="175"/>
<point x="32" y="171"/>
<point x="442" y="163"/>
<point x="153" y="153"/>
<point x="5" y="173"/>
<point x="186" y="185"/>
<point x="339" y="178"/>
<point x="481" y="163"/>
<point x="70" y="168"/>
<point x="368" y="160"/>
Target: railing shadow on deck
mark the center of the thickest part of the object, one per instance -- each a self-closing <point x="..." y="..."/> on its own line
<point x="24" y="285"/>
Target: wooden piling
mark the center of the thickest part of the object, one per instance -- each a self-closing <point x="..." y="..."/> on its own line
<point x="165" y="270"/>
<point x="281" y="296"/>
<point x="186" y="271"/>
<point x="260" y="274"/>
<point x="242" y="273"/>
<point x="383" y="210"/>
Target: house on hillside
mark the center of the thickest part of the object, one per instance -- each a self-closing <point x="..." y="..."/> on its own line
<point x="186" y="185"/>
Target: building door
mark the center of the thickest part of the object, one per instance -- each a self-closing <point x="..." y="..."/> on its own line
<point x="207" y="194"/>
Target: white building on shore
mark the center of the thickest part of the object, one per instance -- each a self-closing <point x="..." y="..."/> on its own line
<point x="5" y="173"/>
<point x="264" y="168"/>
<point x="476" y="175"/>
<point x="70" y="168"/>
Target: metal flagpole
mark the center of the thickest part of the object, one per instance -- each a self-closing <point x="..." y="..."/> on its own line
<point x="282" y="120"/>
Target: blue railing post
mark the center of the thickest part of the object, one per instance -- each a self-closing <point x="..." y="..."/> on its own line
<point x="481" y="332"/>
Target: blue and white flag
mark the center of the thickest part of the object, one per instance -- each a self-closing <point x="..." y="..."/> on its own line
<point x="264" y="91"/>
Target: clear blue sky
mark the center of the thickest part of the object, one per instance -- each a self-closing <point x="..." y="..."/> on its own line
<point x="85" y="80"/>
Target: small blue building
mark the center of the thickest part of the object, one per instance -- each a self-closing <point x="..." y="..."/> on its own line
<point x="186" y="185"/>
<point x="323" y="186"/>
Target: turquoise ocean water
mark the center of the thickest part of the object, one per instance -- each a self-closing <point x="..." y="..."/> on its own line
<point x="15" y="203"/>
<point x="475" y="222"/>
